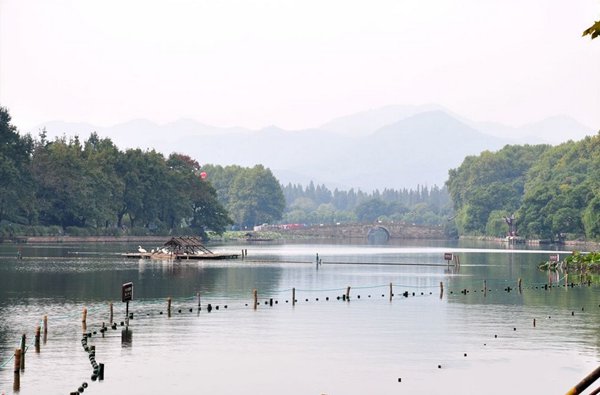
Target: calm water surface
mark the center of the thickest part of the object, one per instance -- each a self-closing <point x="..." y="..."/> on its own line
<point x="464" y="342"/>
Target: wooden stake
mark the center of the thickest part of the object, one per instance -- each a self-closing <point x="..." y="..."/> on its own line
<point x="17" y="360"/>
<point x="519" y="285"/>
<point x="391" y="292"/>
<point x="441" y="289"/>
<point x="37" y="339"/>
<point x="198" y="294"/>
<point x="169" y="306"/>
<point x="348" y="293"/>
<point x="23" y="341"/>
<point x="111" y="313"/>
<point x="45" y="320"/>
<point x="484" y="287"/>
<point x="255" y="293"/>
<point x="84" y="315"/>
<point x="293" y="296"/>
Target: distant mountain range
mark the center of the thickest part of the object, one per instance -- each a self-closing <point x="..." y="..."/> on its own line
<point x="391" y="147"/>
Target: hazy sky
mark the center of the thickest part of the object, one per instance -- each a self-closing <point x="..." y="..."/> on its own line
<point x="296" y="64"/>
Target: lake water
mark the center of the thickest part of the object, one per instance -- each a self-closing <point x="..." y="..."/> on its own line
<point x="472" y="342"/>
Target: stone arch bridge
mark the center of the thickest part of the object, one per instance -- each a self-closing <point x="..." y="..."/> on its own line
<point x="393" y="230"/>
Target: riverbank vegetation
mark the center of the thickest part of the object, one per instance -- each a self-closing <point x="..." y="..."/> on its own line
<point x="577" y="262"/>
<point x="91" y="188"/>
<point x="552" y="192"/>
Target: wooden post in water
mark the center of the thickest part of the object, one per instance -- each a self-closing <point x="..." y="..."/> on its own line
<point x="17" y="372"/>
<point x="441" y="289"/>
<point x="84" y="319"/>
<point x="199" y="306"/>
<point x="293" y="296"/>
<point x="17" y="360"/>
<point x="391" y="292"/>
<point x="348" y="293"/>
<point x="37" y="339"/>
<point x="23" y="341"/>
<point x="111" y="313"/>
<point x="255" y="293"/>
<point x="484" y="287"/>
<point x="45" y="320"/>
<point x="169" y="306"/>
<point x="520" y="285"/>
<point x="534" y="322"/>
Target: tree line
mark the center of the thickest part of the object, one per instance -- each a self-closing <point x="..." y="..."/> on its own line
<point x="92" y="187"/>
<point x="318" y="204"/>
<point x="552" y="192"/>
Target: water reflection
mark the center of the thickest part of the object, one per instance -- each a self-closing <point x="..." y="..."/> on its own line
<point x="368" y="343"/>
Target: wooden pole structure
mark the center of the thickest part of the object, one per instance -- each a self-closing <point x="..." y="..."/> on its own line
<point x="17" y="372"/>
<point x="484" y="287"/>
<point x="169" y="306"/>
<point x="17" y="360"/>
<point x="111" y="313"/>
<point x="441" y="289"/>
<point x="391" y="292"/>
<point x="45" y="320"/>
<point x="255" y="293"/>
<point x="84" y="320"/>
<point x="348" y="293"/>
<point x="520" y="285"/>
<point x="586" y="382"/>
<point x="198" y="294"/>
<point x="23" y="341"/>
<point x="293" y="296"/>
<point x="37" y="339"/>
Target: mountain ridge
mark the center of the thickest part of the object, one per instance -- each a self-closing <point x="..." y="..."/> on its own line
<point x="416" y="145"/>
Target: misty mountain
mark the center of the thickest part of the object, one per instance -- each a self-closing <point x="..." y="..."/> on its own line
<point x="365" y="123"/>
<point x="553" y="130"/>
<point x="392" y="147"/>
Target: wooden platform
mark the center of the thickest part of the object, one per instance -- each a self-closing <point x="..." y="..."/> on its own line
<point x="164" y="257"/>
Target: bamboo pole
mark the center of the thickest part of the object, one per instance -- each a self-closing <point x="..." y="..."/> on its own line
<point x="37" y="339"/>
<point x="17" y="360"/>
<point x="586" y="382"/>
<point x="23" y="341"/>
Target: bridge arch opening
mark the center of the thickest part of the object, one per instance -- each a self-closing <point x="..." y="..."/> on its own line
<point x="378" y="235"/>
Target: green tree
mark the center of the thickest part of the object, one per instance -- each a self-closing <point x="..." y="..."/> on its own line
<point x="255" y="197"/>
<point x="16" y="188"/>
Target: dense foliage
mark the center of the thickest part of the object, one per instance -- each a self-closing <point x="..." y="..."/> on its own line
<point x="252" y="196"/>
<point x="313" y="205"/>
<point x="93" y="186"/>
<point x="554" y="192"/>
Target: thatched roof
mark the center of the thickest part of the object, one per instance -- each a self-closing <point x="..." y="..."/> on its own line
<point x="187" y="245"/>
